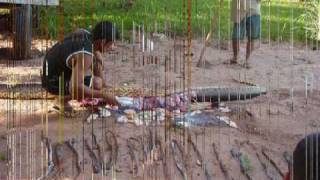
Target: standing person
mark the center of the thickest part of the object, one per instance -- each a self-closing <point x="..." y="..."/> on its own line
<point x="74" y="67"/>
<point x="245" y="14"/>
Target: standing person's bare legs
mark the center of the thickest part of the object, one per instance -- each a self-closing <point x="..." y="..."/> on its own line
<point x="253" y="32"/>
<point x="250" y="47"/>
<point x="235" y="45"/>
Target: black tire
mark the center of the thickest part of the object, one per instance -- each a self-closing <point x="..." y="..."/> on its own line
<point x="22" y="32"/>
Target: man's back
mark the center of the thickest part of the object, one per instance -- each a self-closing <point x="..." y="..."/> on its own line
<point x="56" y="62"/>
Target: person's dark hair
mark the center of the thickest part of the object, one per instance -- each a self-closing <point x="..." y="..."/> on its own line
<point x="105" y="30"/>
<point x="306" y="158"/>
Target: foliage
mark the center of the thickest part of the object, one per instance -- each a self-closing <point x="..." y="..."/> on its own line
<point x="162" y="15"/>
<point x="311" y="19"/>
<point x="2" y="156"/>
<point x="246" y="165"/>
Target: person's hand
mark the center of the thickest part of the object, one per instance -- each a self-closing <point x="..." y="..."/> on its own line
<point x="111" y="100"/>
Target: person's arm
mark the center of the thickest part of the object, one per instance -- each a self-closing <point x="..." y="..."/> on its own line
<point x="81" y="64"/>
<point x="98" y="68"/>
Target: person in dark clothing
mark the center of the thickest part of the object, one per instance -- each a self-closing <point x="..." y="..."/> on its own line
<point x="305" y="163"/>
<point x="74" y="67"/>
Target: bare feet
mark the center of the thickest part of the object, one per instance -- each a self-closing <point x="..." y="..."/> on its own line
<point x="205" y="64"/>
<point x="231" y="61"/>
<point x="247" y="65"/>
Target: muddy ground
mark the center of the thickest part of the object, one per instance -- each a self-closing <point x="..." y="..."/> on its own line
<point x="268" y="125"/>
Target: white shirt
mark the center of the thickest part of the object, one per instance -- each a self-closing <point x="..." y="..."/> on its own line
<point x="244" y="8"/>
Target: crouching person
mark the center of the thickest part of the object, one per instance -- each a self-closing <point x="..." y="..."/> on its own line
<point x="74" y="67"/>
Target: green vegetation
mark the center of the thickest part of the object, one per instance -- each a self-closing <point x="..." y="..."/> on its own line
<point x="279" y="18"/>
<point x="246" y="165"/>
<point x="4" y="11"/>
<point x="311" y="19"/>
<point x="2" y="156"/>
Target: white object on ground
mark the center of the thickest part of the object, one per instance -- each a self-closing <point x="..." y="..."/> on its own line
<point x="224" y="109"/>
<point x="122" y="119"/>
<point x="160" y="113"/>
<point x="222" y="105"/>
<point x="227" y="121"/>
<point x="148" y="116"/>
<point x="183" y="124"/>
<point x="130" y="113"/>
<point x="104" y="112"/>
<point x="195" y="112"/>
<point x="144" y="116"/>
<point x="138" y="121"/>
<point x="129" y="102"/>
<point x="92" y="117"/>
<point x="125" y="101"/>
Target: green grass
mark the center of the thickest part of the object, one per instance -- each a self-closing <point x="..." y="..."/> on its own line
<point x="278" y="17"/>
<point x="2" y="156"/>
<point x="4" y="11"/>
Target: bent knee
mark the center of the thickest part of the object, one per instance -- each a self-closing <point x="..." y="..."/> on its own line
<point x="97" y="83"/>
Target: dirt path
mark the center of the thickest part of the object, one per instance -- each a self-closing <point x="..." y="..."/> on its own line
<point x="274" y="122"/>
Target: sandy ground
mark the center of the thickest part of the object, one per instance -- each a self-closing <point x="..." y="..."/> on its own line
<point x="268" y="125"/>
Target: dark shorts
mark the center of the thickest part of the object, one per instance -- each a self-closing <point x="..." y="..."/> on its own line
<point x="53" y="85"/>
<point x="249" y="26"/>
